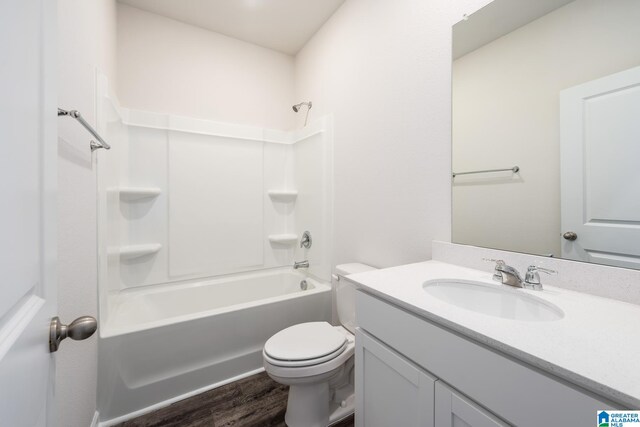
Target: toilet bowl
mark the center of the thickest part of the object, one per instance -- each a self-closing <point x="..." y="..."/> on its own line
<point x="316" y="360"/>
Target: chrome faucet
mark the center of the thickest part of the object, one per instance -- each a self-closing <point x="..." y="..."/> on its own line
<point x="507" y="275"/>
<point x="301" y="264"/>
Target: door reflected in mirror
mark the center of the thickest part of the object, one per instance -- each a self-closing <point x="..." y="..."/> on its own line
<point x="552" y="88"/>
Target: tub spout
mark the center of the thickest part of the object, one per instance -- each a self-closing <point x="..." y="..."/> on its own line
<point x="301" y="264"/>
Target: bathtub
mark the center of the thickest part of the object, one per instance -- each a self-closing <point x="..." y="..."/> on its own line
<point x="168" y="342"/>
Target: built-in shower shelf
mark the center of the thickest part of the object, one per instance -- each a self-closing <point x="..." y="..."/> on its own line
<point x="137" y="193"/>
<point x="283" y="239"/>
<point x="137" y="251"/>
<point x="283" y="195"/>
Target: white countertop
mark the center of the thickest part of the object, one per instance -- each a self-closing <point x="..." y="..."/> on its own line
<point x="596" y="345"/>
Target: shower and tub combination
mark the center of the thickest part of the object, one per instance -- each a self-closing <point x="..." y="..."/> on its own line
<point x="200" y="224"/>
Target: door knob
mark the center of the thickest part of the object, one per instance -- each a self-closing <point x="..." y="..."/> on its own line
<point x="570" y="235"/>
<point x="80" y="329"/>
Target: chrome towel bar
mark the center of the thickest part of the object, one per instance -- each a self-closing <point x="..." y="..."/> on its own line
<point x="514" y="169"/>
<point x="76" y="115"/>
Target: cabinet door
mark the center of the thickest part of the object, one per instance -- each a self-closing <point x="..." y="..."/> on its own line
<point x="453" y="410"/>
<point x="390" y="390"/>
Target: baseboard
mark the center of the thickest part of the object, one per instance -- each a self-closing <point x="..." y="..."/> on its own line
<point x="96" y="419"/>
<point x="155" y="407"/>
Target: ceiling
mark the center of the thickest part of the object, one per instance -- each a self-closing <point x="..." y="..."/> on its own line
<point x="497" y="19"/>
<point x="282" y="25"/>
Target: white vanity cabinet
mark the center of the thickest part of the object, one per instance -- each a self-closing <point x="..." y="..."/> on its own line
<point x="454" y="410"/>
<point x="394" y="391"/>
<point x="411" y="371"/>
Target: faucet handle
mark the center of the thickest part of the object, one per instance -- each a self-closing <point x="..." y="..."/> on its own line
<point x="497" y="275"/>
<point x="499" y="262"/>
<point x="306" y="240"/>
<point x="541" y="269"/>
<point x="532" y="278"/>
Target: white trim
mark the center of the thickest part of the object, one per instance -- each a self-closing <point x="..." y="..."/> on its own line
<point x="168" y="402"/>
<point x="16" y="321"/>
<point x="95" y="420"/>
<point x="152" y="120"/>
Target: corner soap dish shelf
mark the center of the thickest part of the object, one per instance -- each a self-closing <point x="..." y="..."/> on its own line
<point x="136" y="193"/>
<point x="283" y="195"/>
<point x="283" y="239"/>
<point x="137" y="251"/>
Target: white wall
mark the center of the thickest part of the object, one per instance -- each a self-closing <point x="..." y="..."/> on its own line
<point x="506" y="113"/>
<point x="86" y="39"/>
<point x="383" y="69"/>
<point x="166" y="66"/>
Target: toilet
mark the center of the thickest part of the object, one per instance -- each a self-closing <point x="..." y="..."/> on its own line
<point x="315" y="360"/>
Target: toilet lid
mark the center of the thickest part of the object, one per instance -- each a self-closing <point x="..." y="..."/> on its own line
<point x="305" y="341"/>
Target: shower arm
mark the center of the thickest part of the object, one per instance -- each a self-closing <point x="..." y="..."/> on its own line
<point x="309" y="104"/>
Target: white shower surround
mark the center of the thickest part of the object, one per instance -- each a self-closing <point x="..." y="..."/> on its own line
<point x="165" y="336"/>
<point x="164" y="181"/>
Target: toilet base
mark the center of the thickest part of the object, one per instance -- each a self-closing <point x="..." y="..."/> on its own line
<point x="321" y="403"/>
<point x="320" y="400"/>
<point x="303" y="408"/>
<point x="340" y="412"/>
<point x="308" y="405"/>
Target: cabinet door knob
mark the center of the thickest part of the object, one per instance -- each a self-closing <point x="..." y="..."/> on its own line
<point x="570" y="235"/>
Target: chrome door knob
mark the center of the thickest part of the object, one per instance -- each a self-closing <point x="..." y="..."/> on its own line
<point x="80" y="329"/>
<point x="570" y="235"/>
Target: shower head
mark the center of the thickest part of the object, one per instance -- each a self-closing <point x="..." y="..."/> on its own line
<point x="296" y="107"/>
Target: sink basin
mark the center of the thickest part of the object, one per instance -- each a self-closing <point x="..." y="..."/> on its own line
<point x="493" y="300"/>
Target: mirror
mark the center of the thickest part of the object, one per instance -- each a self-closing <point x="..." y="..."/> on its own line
<point x="546" y="129"/>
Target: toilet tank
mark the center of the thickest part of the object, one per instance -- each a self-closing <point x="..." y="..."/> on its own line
<point x="346" y="293"/>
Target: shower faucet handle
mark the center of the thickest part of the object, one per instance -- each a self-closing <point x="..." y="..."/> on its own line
<point x="306" y="240"/>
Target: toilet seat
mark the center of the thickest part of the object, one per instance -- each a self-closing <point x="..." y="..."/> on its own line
<point x="305" y="362"/>
<point x="305" y="344"/>
<point x="314" y="366"/>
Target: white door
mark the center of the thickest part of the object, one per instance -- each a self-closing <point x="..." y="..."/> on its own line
<point x="600" y="170"/>
<point x="455" y="410"/>
<point x="390" y="390"/>
<point x="28" y="147"/>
